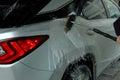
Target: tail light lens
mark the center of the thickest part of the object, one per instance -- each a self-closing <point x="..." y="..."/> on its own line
<point x="12" y="50"/>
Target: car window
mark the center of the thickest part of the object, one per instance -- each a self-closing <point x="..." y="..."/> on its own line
<point x="94" y="9"/>
<point x="113" y="10"/>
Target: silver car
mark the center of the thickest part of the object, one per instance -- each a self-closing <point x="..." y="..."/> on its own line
<point x="55" y="41"/>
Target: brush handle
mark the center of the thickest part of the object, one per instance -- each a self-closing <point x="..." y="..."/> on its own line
<point x="105" y="34"/>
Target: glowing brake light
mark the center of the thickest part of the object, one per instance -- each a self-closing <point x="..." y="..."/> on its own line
<point x="12" y="50"/>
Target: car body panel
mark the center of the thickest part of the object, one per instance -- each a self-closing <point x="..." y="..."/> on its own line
<point x="104" y="49"/>
<point x="62" y="48"/>
<point x="16" y="70"/>
<point x="54" y="53"/>
<point x="50" y="60"/>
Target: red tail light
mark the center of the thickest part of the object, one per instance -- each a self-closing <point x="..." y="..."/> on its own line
<point x="14" y="49"/>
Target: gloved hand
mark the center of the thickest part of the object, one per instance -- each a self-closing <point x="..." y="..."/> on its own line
<point x="118" y="39"/>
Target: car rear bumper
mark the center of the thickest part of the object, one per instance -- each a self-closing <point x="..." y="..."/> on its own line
<point x="19" y="71"/>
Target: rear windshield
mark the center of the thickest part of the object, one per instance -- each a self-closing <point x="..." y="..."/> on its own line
<point x="7" y="2"/>
<point x="18" y="12"/>
<point x="23" y="12"/>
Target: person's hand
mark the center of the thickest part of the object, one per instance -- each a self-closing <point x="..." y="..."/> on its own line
<point x="118" y="39"/>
